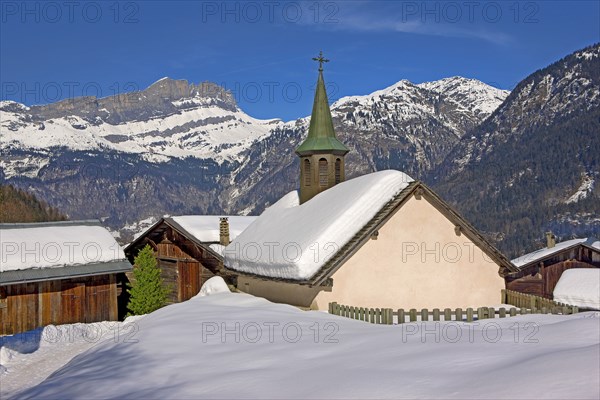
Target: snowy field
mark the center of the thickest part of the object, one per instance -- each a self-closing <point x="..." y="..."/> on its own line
<point x="29" y="358"/>
<point x="232" y="346"/>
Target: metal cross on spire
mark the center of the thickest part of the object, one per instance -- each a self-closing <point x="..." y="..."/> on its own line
<point x="321" y="60"/>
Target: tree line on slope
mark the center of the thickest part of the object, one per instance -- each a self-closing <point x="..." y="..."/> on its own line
<point x="520" y="189"/>
<point x="16" y="205"/>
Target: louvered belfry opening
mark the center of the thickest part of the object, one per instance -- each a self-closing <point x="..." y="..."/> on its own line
<point x="323" y="175"/>
<point x="307" y="172"/>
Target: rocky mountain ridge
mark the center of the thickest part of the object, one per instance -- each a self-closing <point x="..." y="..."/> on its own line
<point x="178" y="148"/>
<point x="532" y="165"/>
<point x="515" y="164"/>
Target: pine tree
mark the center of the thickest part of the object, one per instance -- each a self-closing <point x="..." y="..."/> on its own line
<point x="147" y="292"/>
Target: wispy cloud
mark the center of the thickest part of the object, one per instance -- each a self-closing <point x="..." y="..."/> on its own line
<point x="365" y="23"/>
<point x="363" y="17"/>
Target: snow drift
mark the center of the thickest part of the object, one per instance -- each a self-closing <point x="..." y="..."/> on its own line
<point x="214" y="285"/>
<point x="238" y="346"/>
<point x="579" y="287"/>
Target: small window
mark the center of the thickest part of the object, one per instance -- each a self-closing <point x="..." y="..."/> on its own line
<point x="307" y="173"/>
<point x="3" y="300"/>
<point x="323" y="175"/>
<point x="338" y="171"/>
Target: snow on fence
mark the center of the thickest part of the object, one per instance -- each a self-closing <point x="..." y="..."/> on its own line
<point x="527" y="304"/>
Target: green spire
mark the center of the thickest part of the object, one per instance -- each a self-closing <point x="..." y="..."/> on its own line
<point x="321" y="136"/>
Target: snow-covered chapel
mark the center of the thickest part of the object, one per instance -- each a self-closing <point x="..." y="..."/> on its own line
<point x="379" y="240"/>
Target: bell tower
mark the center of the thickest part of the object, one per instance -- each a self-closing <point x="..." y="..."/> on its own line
<point x="321" y="154"/>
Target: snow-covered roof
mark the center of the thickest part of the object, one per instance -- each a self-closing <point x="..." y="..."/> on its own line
<point x="56" y="245"/>
<point x="579" y="287"/>
<point x="293" y="241"/>
<point x="546" y="252"/>
<point x="205" y="228"/>
<point x="217" y="248"/>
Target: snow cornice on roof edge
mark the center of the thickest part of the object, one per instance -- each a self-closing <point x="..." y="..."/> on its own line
<point x="415" y="188"/>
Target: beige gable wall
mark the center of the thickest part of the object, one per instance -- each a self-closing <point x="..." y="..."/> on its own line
<point x="279" y="292"/>
<point x="417" y="261"/>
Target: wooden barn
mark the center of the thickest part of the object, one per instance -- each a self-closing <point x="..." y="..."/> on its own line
<point x="188" y="249"/>
<point x="540" y="270"/>
<point x="59" y="273"/>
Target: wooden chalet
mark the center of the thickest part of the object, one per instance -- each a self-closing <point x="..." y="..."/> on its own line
<point x="188" y="250"/>
<point x="59" y="273"/>
<point x="539" y="271"/>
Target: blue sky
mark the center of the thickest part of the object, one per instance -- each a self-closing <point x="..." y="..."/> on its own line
<point x="262" y="50"/>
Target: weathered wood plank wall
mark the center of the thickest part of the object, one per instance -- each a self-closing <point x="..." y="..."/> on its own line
<point x="28" y="306"/>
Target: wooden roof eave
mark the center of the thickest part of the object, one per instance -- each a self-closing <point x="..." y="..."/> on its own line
<point x="169" y="222"/>
<point x="303" y="282"/>
<point x="530" y="267"/>
<point x="506" y="266"/>
<point x="364" y="235"/>
<point x="182" y="231"/>
<point x="142" y="238"/>
<point x="588" y="245"/>
<point x="32" y="275"/>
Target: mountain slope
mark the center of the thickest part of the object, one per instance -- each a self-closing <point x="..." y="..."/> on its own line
<point x="171" y="118"/>
<point x="178" y="148"/>
<point x="533" y="164"/>
<point x="19" y="206"/>
<point x="405" y="126"/>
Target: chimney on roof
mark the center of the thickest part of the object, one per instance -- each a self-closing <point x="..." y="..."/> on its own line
<point x="550" y="240"/>
<point x="224" y="231"/>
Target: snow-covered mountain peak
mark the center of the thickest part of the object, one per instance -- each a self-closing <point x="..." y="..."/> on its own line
<point x="164" y="78"/>
<point x="181" y="93"/>
<point x="396" y="89"/>
<point x="210" y="152"/>
<point x="12" y="106"/>
<point x="459" y="84"/>
<point x="472" y="94"/>
<point x="175" y="118"/>
<point x="456" y="103"/>
<point x="171" y="118"/>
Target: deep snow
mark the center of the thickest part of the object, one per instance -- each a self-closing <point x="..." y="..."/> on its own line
<point x="579" y="287"/>
<point x="294" y="241"/>
<point x="214" y="285"/>
<point x="27" y="359"/>
<point x="231" y="345"/>
<point x="56" y="246"/>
